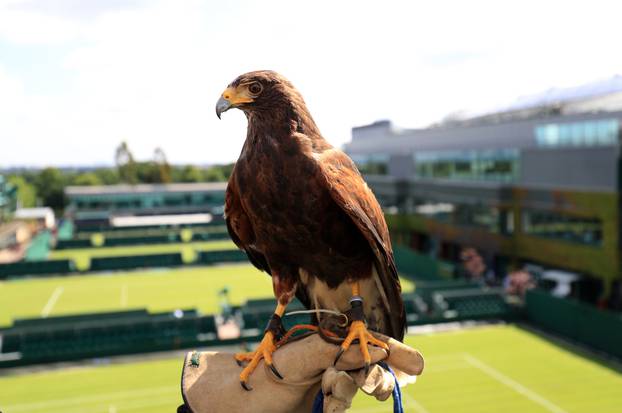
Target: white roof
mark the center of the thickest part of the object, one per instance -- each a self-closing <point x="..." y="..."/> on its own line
<point x="34" y="213"/>
<point x="153" y="220"/>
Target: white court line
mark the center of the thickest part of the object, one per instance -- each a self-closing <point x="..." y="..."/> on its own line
<point x="126" y="405"/>
<point x="105" y="397"/>
<point x="513" y="384"/>
<point x="441" y="369"/>
<point x="411" y="401"/>
<point x="124" y="295"/>
<point x="51" y="302"/>
<point x="447" y="356"/>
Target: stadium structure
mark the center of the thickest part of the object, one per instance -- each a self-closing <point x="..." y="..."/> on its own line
<point x="535" y="183"/>
<point x="103" y="207"/>
<point x="133" y="274"/>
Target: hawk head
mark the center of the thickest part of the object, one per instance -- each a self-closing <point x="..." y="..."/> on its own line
<point x="255" y="91"/>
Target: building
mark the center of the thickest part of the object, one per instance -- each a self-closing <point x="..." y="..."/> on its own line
<point x="102" y="206"/>
<point x="42" y="217"/>
<point x="8" y="199"/>
<point x="13" y="234"/>
<point x="536" y="183"/>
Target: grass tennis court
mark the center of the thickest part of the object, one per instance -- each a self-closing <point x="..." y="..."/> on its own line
<point x="82" y="256"/>
<point x="485" y="370"/>
<point x="156" y="290"/>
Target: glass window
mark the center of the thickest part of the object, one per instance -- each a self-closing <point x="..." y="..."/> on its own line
<point x="540" y="135"/>
<point x="551" y="135"/>
<point x="548" y="224"/>
<point x="499" y="165"/>
<point x="612" y="131"/>
<point x="377" y="164"/>
<point x="565" y="135"/>
<point x="591" y="133"/>
<point x="587" y="133"/>
<point x="464" y="215"/>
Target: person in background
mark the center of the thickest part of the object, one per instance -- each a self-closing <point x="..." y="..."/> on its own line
<point x="474" y="268"/>
<point x="518" y="282"/>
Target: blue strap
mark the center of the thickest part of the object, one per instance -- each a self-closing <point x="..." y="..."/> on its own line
<point x="397" y="392"/>
<point x="318" y="403"/>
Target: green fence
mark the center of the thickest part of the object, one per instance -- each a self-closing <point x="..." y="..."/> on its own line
<point x="214" y="257"/>
<point x="100" y="335"/>
<point x="164" y="238"/>
<point x="105" y="227"/>
<point x="419" y="266"/>
<point x="443" y="301"/>
<point x="64" y="244"/>
<point x="256" y="314"/>
<point x="584" y="323"/>
<point x="136" y="261"/>
<point x="39" y="268"/>
<point x="63" y="267"/>
<point x="31" y="341"/>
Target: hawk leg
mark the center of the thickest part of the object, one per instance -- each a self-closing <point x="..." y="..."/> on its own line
<point x="274" y="331"/>
<point x="358" y="330"/>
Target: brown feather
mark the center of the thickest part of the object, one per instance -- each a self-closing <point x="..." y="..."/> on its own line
<point x="296" y="203"/>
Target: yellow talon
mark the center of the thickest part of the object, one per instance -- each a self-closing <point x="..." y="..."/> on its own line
<point x="359" y="331"/>
<point x="264" y="351"/>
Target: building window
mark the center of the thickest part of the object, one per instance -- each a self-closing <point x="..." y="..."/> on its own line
<point x="492" y="165"/>
<point x="489" y="218"/>
<point x="587" y="133"/>
<point x="376" y="164"/>
<point x="547" y="224"/>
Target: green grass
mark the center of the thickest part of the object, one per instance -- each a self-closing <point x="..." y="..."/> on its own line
<point x="82" y="256"/>
<point x="501" y="369"/>
<point x="156" y="290"/>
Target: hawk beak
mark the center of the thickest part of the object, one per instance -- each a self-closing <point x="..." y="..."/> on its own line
<point x="222" y="105"/>
<point x="232" y="97"/>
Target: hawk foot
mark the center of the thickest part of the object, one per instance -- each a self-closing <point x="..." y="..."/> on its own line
<point x="266" y="347"/>
<point x="358" y="331"/>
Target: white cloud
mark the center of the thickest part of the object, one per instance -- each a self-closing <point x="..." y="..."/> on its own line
<point x="152" y="71"/>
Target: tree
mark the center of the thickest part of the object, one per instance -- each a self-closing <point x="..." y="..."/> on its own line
<point x="108" y="176"/>
<point x="126" y="164"/>
<point x="227" y="169"/>
<point x="87" y="179"/>
<point x="163" y="168"/>
<point x="26" y="192"/>
<point x="50" y="185"/>
<point x="214" y="174"/>
<point x="190" y="173"/>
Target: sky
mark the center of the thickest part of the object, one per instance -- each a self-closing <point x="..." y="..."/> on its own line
<point x="77" y="77"/>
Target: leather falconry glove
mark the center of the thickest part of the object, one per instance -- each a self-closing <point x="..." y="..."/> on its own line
<point x="210" y="381"/>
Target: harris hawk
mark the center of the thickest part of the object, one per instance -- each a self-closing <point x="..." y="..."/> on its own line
<point x="302" y="212"/>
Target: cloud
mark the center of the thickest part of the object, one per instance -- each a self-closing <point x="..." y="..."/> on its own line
<point x="150" y="72"/>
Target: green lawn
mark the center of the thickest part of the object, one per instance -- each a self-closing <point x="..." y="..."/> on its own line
<point x="82" y="256"/>
<point x="501" y="369"/>
<point x="156" y="290"/>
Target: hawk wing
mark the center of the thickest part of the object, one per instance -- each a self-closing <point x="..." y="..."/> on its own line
<point x="241" y="232"/>
<point x="353" y="196"/>
<point x="239" y="226"/>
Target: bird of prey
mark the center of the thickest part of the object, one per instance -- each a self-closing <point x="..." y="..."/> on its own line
<point x="301" y="211"/>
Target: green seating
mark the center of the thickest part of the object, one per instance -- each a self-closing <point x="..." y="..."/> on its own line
<point x="472" y="303"/>
<point x="136" y="261"/>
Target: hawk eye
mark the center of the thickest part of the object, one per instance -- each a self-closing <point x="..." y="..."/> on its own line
<point x="255" y="88"/>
